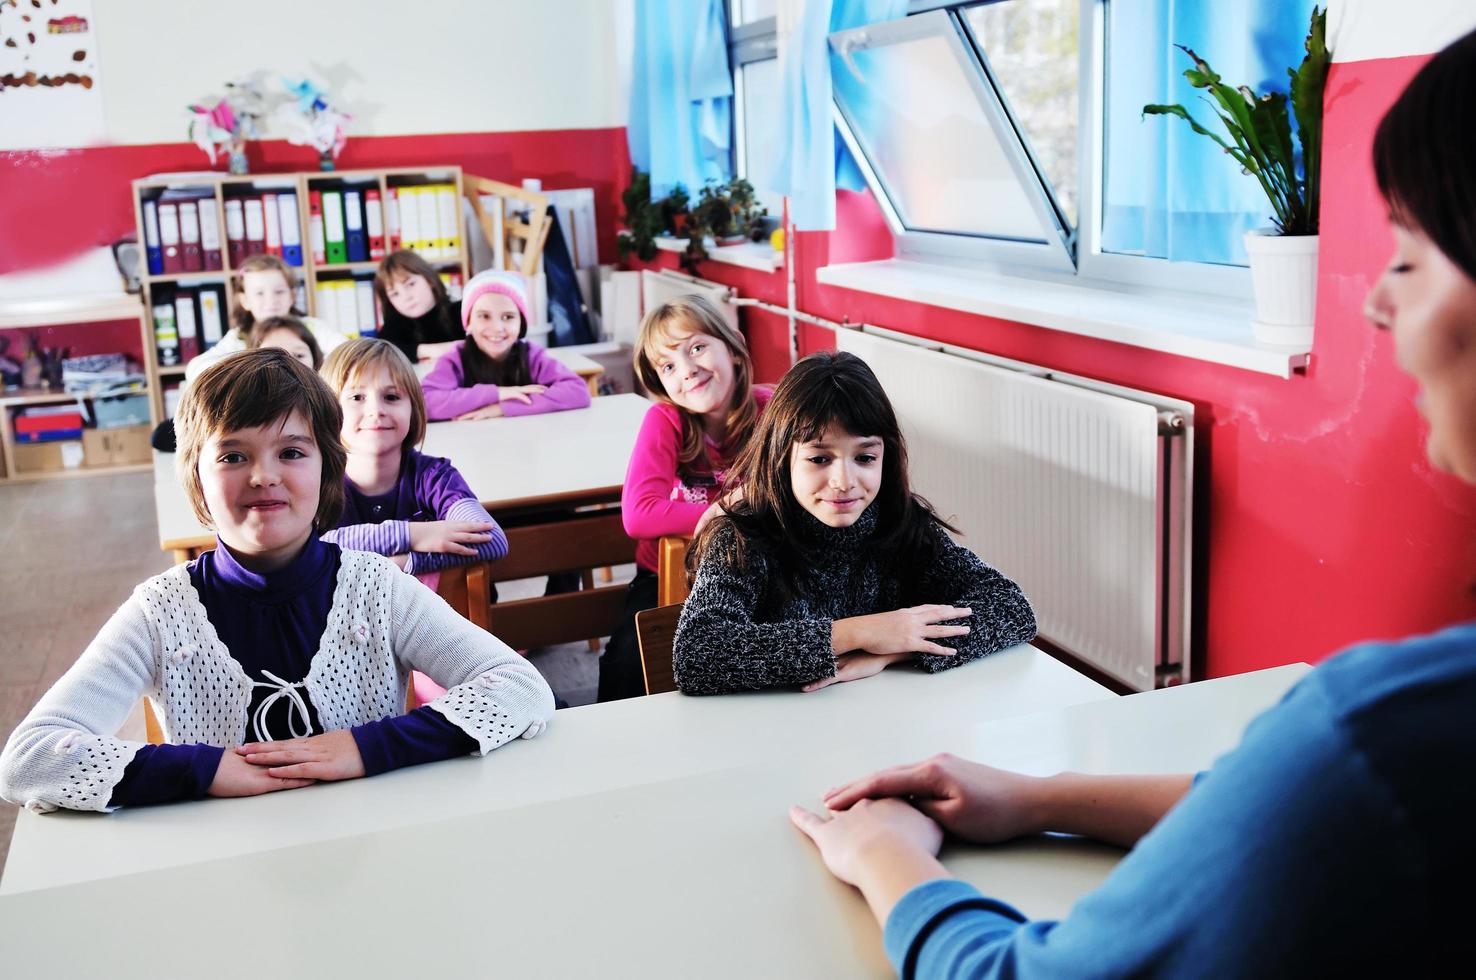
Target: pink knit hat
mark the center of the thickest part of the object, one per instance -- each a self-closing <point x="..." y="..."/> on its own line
<point x="509" y="284"/>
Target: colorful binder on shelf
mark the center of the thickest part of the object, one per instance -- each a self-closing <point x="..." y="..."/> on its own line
<point x="392" y="237"/>
<point x="410" y="236"/>
<point x="186" y="324"/>
<point x="356" y="245"/>
<point x="212" y="315"/>
<point x="432" y="247"/>
<point x="291" y="228"/>
<point x="152" y="251"/>
<point x="273" y="219"/>
<point x="255" y="226"/>
<point x="447" y="213"/>
<point x="209" y="233"/>
<point x="315" y="226"/>
<point x="169" y="239"/>
<point x="333" y="227"/>
<point x="235" y="219"/>
<point x="374" y="224"/>
<point x="166" y="337"/>
<point x="189" y="237"/>
<point x="364" y="305"/>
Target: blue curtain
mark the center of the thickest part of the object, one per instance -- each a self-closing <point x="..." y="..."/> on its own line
<point x="1171" y="193"/>
<point x="681" y="94"/>
<point x="812" y="161"/>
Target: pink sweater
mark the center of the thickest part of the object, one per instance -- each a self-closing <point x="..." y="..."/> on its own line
<point x="657" y="500"/>
<point x="447" y="395"/>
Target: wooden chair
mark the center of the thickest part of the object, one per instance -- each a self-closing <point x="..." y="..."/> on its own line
<point x="655" y="630"/>
<point x="671" y="569"/>
<point x="154" y="731"/>
<point x="531" y="231"/>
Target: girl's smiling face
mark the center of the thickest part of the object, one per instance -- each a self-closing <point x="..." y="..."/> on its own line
<point x="376" y="413"/>
<point x="265" y="293"/>
<point x="836" y="475"/>
<point x="261" y="487"/>
<point x="411" y="296"/>
<point x="494" y="324"/>
<point x="696" y="370"/>
<point x="1428" y="303"/>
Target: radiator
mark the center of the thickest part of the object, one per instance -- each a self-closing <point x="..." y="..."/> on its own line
<point x="1077" y="490"/>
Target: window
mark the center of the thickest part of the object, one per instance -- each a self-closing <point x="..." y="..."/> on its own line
<point x="753" y="53"/>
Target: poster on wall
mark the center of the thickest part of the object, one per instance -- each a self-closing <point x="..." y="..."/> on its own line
<point x="49" y="94"/>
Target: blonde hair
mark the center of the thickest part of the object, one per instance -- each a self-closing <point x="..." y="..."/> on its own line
<point x="254" y="388"/>
<point x="241" y="317"/>
<point x="696" y="314"/>
<point x="349" y="361"/>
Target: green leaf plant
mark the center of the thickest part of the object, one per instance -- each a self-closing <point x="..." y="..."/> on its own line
<point x="1260" y="129"/>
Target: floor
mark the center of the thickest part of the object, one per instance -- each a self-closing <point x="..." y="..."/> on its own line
<point x="102" y="539"/>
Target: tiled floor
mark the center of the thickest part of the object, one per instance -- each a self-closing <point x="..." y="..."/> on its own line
<point x="72" y="550"/>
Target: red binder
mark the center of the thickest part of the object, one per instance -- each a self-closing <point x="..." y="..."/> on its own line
<point x="315" y="227"/>
<point x="273" y="218"/>
<point x="392" y="219"/>
<point x="169" y="238"/>
<point x="235" y="218"/>
<point x="374" y="224"/>
<point x="189" y="236"/>
<point x="209" y="233"/>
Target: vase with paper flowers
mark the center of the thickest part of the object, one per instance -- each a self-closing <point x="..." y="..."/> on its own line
<point x="309" y="119"/>
<point x="224" y="128"/>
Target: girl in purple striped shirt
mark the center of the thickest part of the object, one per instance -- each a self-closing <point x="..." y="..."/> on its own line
<point x="415" y="509"/>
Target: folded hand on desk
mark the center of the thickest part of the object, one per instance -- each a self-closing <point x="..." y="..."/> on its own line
<point x="975" y="802"/>
<point x="332" y="755"/>
<point x="854" y="666"/>
<point x="449" y="537"/>
<point x="237" y="777"/>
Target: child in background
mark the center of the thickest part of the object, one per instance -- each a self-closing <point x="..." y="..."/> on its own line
<point x="277" y="659"/>
<point x="399" y="502"/>
<point x="696" y="368"/>
<point x="291" y="335"/>
<point x="496" y="371"/>
<point x="419" y="318"/>
<point x="829" y="568"/>
<point x="265" y="288"/>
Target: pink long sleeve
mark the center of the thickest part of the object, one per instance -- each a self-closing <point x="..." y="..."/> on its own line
<point x="646" y="503"/>
<point x="445" y="398"/>
<point x="566" y="389"/>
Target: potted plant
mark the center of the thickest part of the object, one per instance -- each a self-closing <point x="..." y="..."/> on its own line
<point x="1283" y="258"/>
<point x="645" y="219"/>
<point x="727" y="213"/>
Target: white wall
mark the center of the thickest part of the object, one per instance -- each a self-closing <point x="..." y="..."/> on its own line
<point x="422" y="66"/>
<point x="1361" y="30"/>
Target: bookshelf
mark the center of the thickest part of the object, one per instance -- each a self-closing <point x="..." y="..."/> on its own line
<point x="223" y="197"/>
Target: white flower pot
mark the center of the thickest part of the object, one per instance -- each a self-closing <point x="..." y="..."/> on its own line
<point x="1284" y="274"/>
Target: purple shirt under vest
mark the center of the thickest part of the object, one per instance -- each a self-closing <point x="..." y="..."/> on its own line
<point x="272" y="625"/>
<point x="448" y="394"/>
<point x="428" y="489"/>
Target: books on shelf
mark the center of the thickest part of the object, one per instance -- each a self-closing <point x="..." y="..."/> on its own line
<point x="348" y="304"/>
<point x="187" y="321"/>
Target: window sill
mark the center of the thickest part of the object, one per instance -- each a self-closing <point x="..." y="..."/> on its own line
<point x="1218" y="331"/>
<point x="759" y="256"/>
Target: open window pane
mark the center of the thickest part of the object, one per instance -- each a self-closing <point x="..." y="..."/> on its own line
<point x="1032" y="50"/>
<point x="935" y="135"/>
<point x="748" y="11"/>
<point x="759" y="84"/>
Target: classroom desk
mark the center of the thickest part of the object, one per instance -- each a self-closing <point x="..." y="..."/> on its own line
<point x="640" y="838"/>
<point x="533" y="473"/>
<point x="586" y="367"/>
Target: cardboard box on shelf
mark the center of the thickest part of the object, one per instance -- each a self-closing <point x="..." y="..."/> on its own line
<point x="42" y="457"/>
<point x="116" y="447"/>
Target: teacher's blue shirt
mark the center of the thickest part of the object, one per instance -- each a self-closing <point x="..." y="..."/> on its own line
<point x="1339" y="837"/>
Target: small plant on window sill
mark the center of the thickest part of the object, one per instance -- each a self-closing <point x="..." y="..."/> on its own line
<point x="728" y="213"/>
<point x="1260" y="133"/>
<point x="646" y="220"/>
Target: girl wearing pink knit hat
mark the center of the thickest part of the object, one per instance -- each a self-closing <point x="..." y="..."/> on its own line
<point x="497" y="371"/>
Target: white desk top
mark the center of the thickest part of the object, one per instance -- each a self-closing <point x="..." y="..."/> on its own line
<point x="643" y="838"/>
<point x="507" y="462"/>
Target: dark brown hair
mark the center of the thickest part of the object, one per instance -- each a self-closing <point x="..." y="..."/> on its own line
<point x="1424" y="153"/>
<point x="251" y="389"/>
<point x="479" y="369"/>
<point x="696" y="314"/>
<point x="241" y="317"/>
<point x="347" y="362"/>
<point x="825" y="390"/>
<point x="406" y="262"/>
<point x="272" y="324"/>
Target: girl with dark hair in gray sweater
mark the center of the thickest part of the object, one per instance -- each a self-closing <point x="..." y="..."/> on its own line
<point x="827" y="567"/>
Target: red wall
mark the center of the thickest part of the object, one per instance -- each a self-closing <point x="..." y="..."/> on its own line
<point x="57" y="203"/>
<point x="1319" y="522"/>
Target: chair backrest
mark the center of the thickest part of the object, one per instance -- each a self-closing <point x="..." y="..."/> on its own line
<point x="655" y="630"/>
<point x="671" y="569"/>
<point x="152" y="729"/>
<point x="528" y="231"/>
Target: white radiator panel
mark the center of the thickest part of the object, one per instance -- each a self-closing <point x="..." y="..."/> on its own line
<point x="1057" y="486"/>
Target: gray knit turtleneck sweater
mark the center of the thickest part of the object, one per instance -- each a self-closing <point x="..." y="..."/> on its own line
<point x="737" y="632"/>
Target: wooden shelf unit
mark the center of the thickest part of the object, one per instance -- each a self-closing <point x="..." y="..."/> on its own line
<point x="222" y="186"/>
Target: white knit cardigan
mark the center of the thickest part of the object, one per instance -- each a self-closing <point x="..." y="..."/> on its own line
<point x="160" y="644"/>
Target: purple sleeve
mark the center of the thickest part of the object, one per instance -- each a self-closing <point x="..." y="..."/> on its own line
<point x="465" y="509"/>
<point x="445" y="398"/>
<point x="423" y="735"/>
<point x="166" y="773"/>
<point x="385" y="538"/>
<point x="566" y="389"/>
